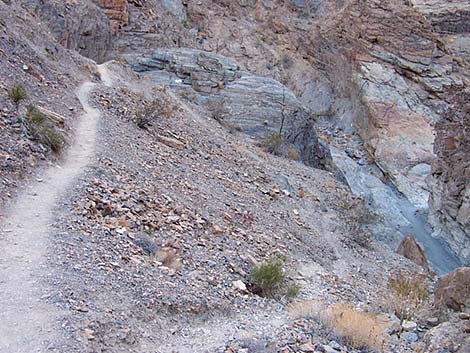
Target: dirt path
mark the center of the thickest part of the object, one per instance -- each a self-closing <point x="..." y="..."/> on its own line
<point x="27" y="323"/>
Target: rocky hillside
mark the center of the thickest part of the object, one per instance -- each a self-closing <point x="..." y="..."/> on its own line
<point x="382" y="86"/>
<point x="255" y="165"/>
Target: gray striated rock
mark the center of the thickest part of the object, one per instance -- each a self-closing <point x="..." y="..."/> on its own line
<point x="176" y="8"/>
<point x="255" y="105"/>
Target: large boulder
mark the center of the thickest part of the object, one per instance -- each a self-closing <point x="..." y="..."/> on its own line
<point x="450" y="336"/>
<point x="410" y="249"/>
<point x="453" y="290"/>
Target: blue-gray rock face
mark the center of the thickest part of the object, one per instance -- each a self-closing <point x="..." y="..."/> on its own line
<point x="176" y="8"/>
<point x="253" y="104"/>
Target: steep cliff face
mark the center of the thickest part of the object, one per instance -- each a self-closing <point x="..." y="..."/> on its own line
<point x="403" y="70"/>
<point x="117" y="12"/>
<point x="79" y="25"/>
<point x="450" y="183"/>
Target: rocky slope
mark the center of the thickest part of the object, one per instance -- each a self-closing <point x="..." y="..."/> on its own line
<point x="383" y="85"/>
<point x="152" y="249"/>
<point x="29" y="56"/>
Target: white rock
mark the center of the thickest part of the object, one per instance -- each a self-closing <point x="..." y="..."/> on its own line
<point x="409" y="325"/>
<point x="239" y="285"/>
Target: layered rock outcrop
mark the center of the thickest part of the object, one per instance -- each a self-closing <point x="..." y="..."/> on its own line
<point x="117" y="12"/>
<point x="255" y="105"/>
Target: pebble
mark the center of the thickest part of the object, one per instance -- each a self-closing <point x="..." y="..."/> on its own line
<point x="307" y="347"/>
<point x="432" y="321"/>
<point x="238" y="284"/>
<point x="335" y="345"/>
<point x="409" y="325"/>
<point x="464" y="316"/>
<point x="411" y="337"/>
<point x="329" y="349"/>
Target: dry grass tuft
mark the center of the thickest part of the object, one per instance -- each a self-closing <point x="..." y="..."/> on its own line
<point x="293" y="154"/>
<point x="169" y="258"/>
<point x="356" y="329"/>
<point x="272" y="143"/>
<point x="408" y="295"/>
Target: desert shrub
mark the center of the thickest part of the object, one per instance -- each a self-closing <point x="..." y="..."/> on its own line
<point x="272" y="143"/>
<point x="152" y="111"/>
<point x="301" y="193"/>
<point x="292" y="153"/>
<point x="293" y="291"/>
<point x="358" y="219"/>
<point x="217" y="109"/>
<point x="269" y="277"/>
<point x="354" y="328"/>
<point x="42" y="129"/>
<point x="408" y="295"/>
<point x="17" y="93"/>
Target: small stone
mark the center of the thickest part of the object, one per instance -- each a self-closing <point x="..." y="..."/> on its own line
<point x="89" y="333"/>
<point x="307" y="347"/>
<point x="409" y="325"/>
<point x="335" y="345"/>
<point x="411" y="337"/>
<point x="238" y="284"/>
<point x="217" y="230"/>
<point x="173" y="219"/>
<point x="432" y="321"/>
<point x="464" y="316"/>
<point x="329" y="349"/>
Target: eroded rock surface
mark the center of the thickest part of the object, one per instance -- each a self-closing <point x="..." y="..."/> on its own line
<point x="450" y="183"/>
<point x="243" y="101"/>
<point x="117" y="12"/>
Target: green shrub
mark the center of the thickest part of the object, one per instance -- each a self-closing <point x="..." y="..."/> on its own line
<point x="41" y="129"/>
<point x="269" y="275"/>
<point x="17" y="93"/>
<point x="293" y="291"/>
<point x="269" y="279"/>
